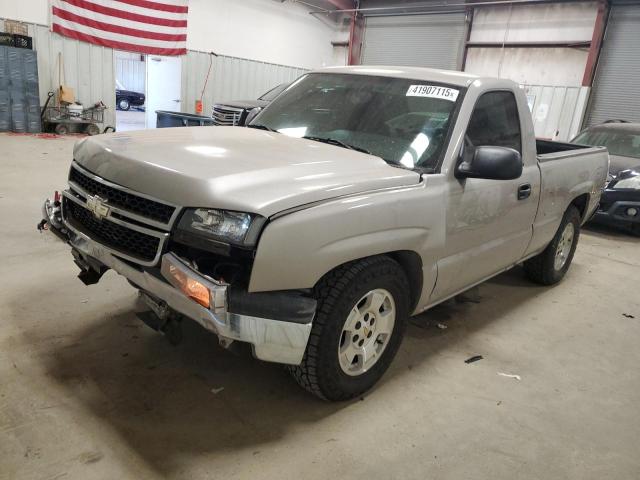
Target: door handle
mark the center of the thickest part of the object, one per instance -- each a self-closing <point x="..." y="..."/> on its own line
<point x="524" y="191"/>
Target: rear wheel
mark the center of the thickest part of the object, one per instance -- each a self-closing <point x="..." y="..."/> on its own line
<point x="61" y="129"/>
<point x="358" y="328"/>
<point x="92" y="129"/>
<point x="550" y="266"/>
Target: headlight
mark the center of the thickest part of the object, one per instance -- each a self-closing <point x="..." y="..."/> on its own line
<point x="629" y="182"/>
<point x="237" y="228"/>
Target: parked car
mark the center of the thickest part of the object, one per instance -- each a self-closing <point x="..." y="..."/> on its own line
<point x="235" y="113"/>
<point x="357" y="198"/>
<point x="620" y="202"/>
<point x="125" y="99"/>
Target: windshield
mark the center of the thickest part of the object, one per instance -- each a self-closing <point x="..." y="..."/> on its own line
<point x="624" y="144"/>
<point x="273" y="93"/>
<point x="405" y="122"/>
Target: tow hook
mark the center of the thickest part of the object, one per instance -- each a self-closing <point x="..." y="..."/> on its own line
<point x="161" y="318"/>
<point x="52" y="216"/>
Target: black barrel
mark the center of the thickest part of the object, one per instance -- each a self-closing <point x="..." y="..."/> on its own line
<point x="166" y="119"/>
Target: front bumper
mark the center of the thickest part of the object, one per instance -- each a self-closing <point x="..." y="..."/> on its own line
<point x="272" y="340"/>
<point x="616" y="206"/>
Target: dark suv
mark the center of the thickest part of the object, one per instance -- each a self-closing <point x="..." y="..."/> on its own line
<point x="620" y="202"/>
<point x="236" y="112"/>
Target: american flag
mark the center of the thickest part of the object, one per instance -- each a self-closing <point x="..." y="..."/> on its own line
<point x="143" y="26"/>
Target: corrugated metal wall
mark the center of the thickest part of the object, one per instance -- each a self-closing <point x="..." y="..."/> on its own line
<point x="231" y="78"/>
<point x="130" y="71"/>
<point x="557" y="111"/>
<point x="88" y="69"/>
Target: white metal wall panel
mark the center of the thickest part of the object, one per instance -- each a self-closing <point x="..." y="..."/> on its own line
<point x="557" y="112"/>
<point x="434" y="41"/>
<point x="616" y="90"/>
<point x="549" y="22"/>
<point x="88" y="69"/>
<point x="559" y="66"/>
<point x="231" y="78"/>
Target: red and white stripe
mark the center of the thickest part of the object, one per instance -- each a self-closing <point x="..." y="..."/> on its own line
<point x="156" y="27"/>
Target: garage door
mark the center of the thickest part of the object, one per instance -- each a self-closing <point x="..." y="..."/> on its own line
<point x="616" y="92"/>
<point x="417" y="40"/>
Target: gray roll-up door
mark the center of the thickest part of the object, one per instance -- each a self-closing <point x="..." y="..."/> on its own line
<point x="19" y="99"/>
<point x="415" y="40"/>
<point x="616" y="89"/>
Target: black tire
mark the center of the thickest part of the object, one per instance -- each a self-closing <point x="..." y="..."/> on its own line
<point x="123" y="104"/>
<point x="61" y="129"/>
<point x="541" y="268"/>
<point x="92" y="129"/>
<point x="320" y="372"/>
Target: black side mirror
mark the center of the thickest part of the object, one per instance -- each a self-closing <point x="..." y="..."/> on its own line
<point x="252" y="114"/>
<point x="495" y="163"/>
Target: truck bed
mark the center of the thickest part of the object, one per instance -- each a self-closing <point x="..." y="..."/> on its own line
<point x="544" y="147"/>
<point x="548" y="150"/>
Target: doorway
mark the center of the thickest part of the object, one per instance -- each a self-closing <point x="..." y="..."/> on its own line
<point x="130" y="90"/>
<point x="144" y="84"/>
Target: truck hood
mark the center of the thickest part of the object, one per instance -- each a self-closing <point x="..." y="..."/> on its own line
<point x="618" y="163"/>
<point x="234" y="168"/>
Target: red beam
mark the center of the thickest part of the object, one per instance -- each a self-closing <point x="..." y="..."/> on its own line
<point x="596" y="43"/>
<point x="356" y="35"/>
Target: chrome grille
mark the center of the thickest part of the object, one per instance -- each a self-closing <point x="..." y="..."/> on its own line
<point x="142" y="206"/>
<point x="226" y="116"/>
<point x="129" y="224"/>
<point x="111" y="235"/>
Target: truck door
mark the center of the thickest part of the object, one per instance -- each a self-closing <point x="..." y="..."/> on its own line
<point x="489" y="222"/>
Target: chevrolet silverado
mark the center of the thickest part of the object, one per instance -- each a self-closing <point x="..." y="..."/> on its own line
<point x="359" y="197"/>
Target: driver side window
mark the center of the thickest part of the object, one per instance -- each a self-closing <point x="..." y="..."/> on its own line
<point x="495" y="121"/>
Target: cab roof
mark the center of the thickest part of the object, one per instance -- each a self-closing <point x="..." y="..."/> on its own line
<point x="460" y="79"/>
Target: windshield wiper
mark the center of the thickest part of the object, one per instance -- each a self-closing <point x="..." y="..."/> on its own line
<point x="339" y="143"/>
<point x="262" y="127"/>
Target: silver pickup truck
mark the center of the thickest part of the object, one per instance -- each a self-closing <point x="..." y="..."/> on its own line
<point x="359" y="197"/>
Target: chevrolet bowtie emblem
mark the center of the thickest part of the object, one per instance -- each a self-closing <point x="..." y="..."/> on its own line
<point x="97" y="206"/>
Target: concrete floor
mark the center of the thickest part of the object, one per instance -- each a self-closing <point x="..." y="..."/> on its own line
<point x="88" y="392"/>
<point x="133" y="119"/>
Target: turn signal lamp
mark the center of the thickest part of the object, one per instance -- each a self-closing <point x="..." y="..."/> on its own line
<point x="189" y="286"/>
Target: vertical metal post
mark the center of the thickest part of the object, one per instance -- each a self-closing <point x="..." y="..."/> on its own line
<point x="356" y="35"/>
<point x="599" y="28"/>
<point x="469" y="26"/>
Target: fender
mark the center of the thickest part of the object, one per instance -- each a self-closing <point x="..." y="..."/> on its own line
<point x="297" y="249"/>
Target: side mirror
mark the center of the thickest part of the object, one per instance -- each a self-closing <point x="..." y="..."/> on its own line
<point x="495" y="163"/>
<point x="252" y="114"/>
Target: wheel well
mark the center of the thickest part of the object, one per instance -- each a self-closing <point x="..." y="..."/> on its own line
<point x="411" y="264"/>
<point x="581" y="202"/>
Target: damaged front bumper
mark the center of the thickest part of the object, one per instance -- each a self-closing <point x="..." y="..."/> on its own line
<point x="281" y="338"/>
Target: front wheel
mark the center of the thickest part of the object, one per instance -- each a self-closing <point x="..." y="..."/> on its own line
<point x="550" y="266"/>
<point x="358" y="328"/>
